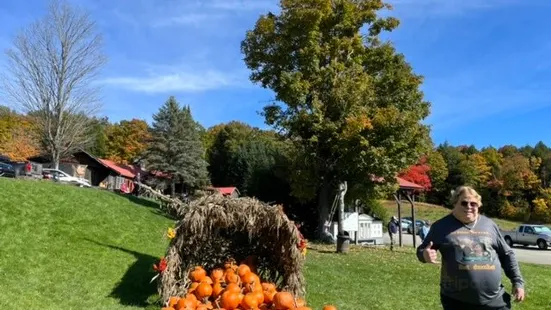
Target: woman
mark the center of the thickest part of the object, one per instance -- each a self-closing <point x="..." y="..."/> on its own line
<point x="473" y="254"/>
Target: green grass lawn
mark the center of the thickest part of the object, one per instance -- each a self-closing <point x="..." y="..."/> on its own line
<point x="432" y="212"/>
<point x="64" y="247"/>
<point x="378" y="279"/>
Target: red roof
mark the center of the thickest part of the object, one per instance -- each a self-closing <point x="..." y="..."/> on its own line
<point x="407" y="184"/>
<point x="404" y="184"/>
<point x="127" y="171"/>
<point x="226" y="190"/>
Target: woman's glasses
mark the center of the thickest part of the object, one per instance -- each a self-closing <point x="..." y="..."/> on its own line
<point x="469" y="203"/>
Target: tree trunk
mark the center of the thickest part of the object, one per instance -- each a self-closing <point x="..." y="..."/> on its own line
<point x="173" y="188"/>
<point x="55" y="159"/>
<point x="323" y="208"/>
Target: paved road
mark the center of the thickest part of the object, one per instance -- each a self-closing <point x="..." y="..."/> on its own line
<point x="524" y="254"/>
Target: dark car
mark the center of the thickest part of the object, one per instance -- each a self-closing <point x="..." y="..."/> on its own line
<point x="23" y="168"/>
<point x="7" y="170"/>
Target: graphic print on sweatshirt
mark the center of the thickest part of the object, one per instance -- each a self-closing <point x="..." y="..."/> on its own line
<point x="473" y="250"/>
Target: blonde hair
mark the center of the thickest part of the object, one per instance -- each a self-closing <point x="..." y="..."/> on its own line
<point x="465" y="190"/>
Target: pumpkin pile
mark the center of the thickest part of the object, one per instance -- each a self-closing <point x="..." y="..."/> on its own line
<point x="233" y="287"/>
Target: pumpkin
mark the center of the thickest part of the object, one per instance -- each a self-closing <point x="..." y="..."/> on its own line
<point x="173" y="301"/>
<point x="217" y="275"/>
<point x="192" y="287"/>
<point x="197" y="274"/>
<point x="230" y="300"/>
<point x="284" y="301"/>
<point x="233" y="287"/>
<point x="217" y="289"/>
<point x="269" y="296"/>
<point x="268" y="287"/>
<point x="243" y="270"/>
<point x="185" y="304"/>
<point x="300" y="302"/>
<point x="329" y="307"/>
<point x="204" y="290"/>
<point x="231" y="277"/>
<point x="250" y="302"/>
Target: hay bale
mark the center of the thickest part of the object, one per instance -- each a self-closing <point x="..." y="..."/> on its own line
<point x="213" y="229"/>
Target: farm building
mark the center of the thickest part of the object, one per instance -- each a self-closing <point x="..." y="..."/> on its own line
<point x="226" y="191"/>
<point x="99" y="172"/>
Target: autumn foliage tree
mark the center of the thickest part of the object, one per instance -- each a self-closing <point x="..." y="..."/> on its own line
<point x="18" y="135"/>
<point x="127" y="140"/>
<point x="350" y="102"/>
<point x="419" y="174"/>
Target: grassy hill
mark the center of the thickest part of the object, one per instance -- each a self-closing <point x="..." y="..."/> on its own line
<point x="432" y="212"/>
<point x="64" y="247"/>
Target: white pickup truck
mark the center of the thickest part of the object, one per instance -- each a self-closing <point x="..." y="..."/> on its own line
<point x="528" y="234"/>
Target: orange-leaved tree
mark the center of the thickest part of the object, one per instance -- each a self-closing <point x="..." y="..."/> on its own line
<point x="127" y="140"/>
<point x="18" y="136"/>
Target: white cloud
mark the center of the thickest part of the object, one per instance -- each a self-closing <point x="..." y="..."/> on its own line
<point x="177" y="82"/>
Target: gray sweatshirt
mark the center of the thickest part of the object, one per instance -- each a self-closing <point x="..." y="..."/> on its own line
<point x="472" y="258"/>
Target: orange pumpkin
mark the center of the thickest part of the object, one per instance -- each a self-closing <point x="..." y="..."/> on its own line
<point x="329" y="307"/>
<point x="250" y="302"/>
<point x="185" y="304"/>
<point x="284" y="301"/>
<point x="197" y="274"/>
<point x="230" y="300"/>
<point x="204" y="290"/>
<point x="217" y="275"/>
<point x="173" y="301"/>
<point x="269" y="296"/>
<point x="231" y="277"/>
<point x="217" y="289"/>
<point x="243" y="270"/>
<point x="233" y="287"/>
<point x="192" y="287"/>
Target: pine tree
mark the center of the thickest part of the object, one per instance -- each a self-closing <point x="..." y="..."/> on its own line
<point x="176" y="148"/>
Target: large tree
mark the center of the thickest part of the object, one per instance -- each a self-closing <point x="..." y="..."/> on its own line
<point x="351" y="103"/>
<point x="49" y="73"/>
<point x="253" y="160"/>
<point x="127" y="140"/>
<point x="176" y="148"/>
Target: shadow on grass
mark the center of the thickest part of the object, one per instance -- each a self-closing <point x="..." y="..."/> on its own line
<point x="135" y="287"/>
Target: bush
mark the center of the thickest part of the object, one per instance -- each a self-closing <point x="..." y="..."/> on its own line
<point x="375" y="208"/>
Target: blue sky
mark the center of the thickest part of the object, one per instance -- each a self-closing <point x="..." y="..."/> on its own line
<point x="486" y="63"/>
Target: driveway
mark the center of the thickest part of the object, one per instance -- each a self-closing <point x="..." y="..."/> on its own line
<point x="530" y="254"/>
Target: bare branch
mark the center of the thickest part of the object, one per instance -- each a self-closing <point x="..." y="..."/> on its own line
<point x="50" y="70"/>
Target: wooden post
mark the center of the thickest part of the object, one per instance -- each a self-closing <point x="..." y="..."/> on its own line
<point x="356" y="234"/>
<point x="408" y="197"/>
<point x="398" y="197"/>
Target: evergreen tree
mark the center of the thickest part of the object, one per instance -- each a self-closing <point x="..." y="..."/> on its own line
<point x="176" y="148"/>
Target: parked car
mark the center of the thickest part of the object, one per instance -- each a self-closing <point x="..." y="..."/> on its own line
<point x="61" y="176"/>
<point x="7" y="170"/>
<point x="418" y="225"/>
<point x="528" y="234"/>
<point x="405" y="224"/>
<point x="23" y="168"/>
